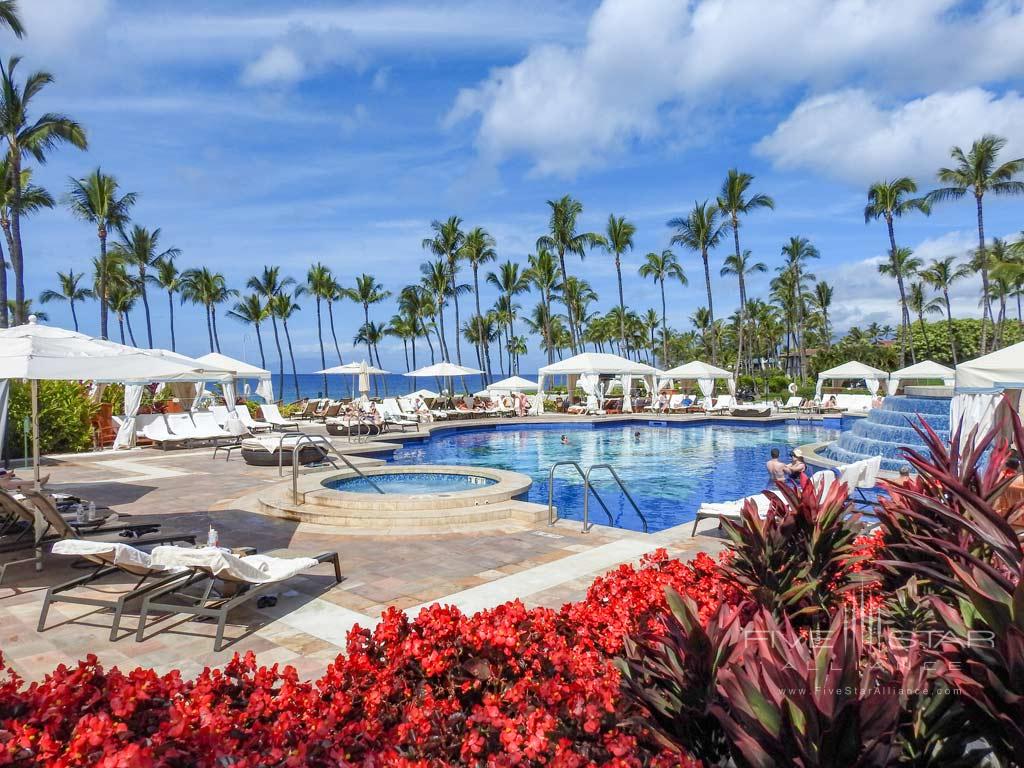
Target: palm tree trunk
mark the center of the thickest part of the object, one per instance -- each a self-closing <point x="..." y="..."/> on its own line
<point x="213" y="316"/>
<point x="209" y="327"/>
<point x="664" y="328"/>
<point x="145" y="306"/>
<point x="120" y="323"/>
<point x="320" y="338"/>
<point x="330" y="315"/>
<point x="3" y="290"/>
<point x="131" y="333"/>
<point x="440" y="331"/>
<point x="280" y="355"/>
<point x="74" y="315"/>
<point x="986" y="301"/>
<point x="458" y="321"/>
<point x="102" y="234"/>
<point x="259" y="343"/>
<point x="904" y="314"/>
<point x="170" y="305"/>
<point x="567" y="303"/>
<point x="743" y="309"/>
<point x="949" y="323"/>
<point x="711" y="308"/>
<point x="17" y="253"/>
<point x="291" y="355"/>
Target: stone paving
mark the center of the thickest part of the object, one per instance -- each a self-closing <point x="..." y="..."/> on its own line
<point x="187" y="490"/>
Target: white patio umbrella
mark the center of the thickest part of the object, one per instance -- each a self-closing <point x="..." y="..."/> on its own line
<point x="514" y="384"/>
<point x="46" y="353"/>
<point x="359" y="369"/>
<point x="443" y="369"/>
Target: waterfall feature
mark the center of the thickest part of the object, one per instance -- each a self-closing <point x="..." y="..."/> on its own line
<point x="888" y="429"/>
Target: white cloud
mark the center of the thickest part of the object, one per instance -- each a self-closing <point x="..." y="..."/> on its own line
<point x="276" y="66"/>
<point x="54" y="26"/>
<point x="646" y="63"/>
<point x="849" y="135"/>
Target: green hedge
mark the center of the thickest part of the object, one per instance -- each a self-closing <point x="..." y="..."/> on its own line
<point x="64" y="414"/>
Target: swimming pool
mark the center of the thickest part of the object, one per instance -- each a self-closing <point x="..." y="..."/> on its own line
<point x="669" y="470"/>
<point x="420" y="482"/>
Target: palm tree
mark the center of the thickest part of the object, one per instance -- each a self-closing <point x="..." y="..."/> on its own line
<point x="902" y="265"/>
<point x="34" y="138"/>
<point x="919" y="303"/>
<point x="166" y="277"/>
<point x="123" y="293"/>
<point x="337" y="294"/>
<point x="702" y="231"/>
<point x="437" y="281"/>
<point x="25" y="310"/>
<point x="268" y="285"/>
<point x="940" y="274"/>
<point x="141" y="249"/>
<point x="95" y="199"/>
<point x="511" y="282"/>
<point x="660" y="267"/>
<point x="446" y="245"/>
<point x="889" y="200"/>
<point x="367" y="291"/>
<point x="9" y="17"/>
<point x="402" y="327"/>
<point x="578" y="295"/>
<point x="734" y="203"/>
<point x="252" y="310"/>
<point x="70" y="291"/>
<point x="283" y="306"/>
<point x="415" y="307"/>
<point x="617" y="239"/>
<point x="478" y="248"/>
<point x="563" y="238"/>
<point x="822" y="299"/>
<point x="741" y="265"/>
<point x="320" y="284"/>
<point x="201" y="286"/>
<point x="33" y="199"/>
<point x="979" y="172"/>
<point x="798" y="251"/>
<point x="543" y="274"/>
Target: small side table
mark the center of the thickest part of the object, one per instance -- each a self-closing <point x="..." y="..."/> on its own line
<point x="228" y="448"/>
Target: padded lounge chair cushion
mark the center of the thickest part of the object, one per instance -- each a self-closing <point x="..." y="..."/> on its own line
<point x="252" y="569"/>
<point x="733" y="508"/>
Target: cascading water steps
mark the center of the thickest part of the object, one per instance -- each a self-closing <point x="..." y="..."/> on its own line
<point x="890" y="428"/>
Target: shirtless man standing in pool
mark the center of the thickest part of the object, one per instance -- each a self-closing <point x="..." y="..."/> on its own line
<point x="777" y="470"/>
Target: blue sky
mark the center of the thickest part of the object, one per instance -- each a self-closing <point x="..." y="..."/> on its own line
<point x="269" y="133"/>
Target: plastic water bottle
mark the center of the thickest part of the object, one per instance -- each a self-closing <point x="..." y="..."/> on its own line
<point x="79" y="513"/>
<point x="212" y="537"/>
<point x="92" y="512"/>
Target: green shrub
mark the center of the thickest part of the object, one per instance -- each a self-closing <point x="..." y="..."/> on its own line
<point x="64" y="414"/>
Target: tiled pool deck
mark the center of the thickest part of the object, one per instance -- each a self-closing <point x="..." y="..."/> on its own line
<point x="187" y="490"/>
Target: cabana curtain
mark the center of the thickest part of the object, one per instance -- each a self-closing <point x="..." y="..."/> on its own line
<point x="126" y="432"/>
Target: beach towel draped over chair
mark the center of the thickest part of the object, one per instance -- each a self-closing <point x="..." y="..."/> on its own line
<point x="252" y="575"/>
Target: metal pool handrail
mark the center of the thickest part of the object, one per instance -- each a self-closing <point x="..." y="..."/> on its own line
<point x="316" y="440"/>
<point x="586" y="495"/>
<point x="552" y="515"/>
<point x="312" y="439"/>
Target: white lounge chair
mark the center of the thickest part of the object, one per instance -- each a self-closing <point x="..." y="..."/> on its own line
<point x="273" y="416"/>
<point x="160" y="434"/>
<point x="722" y="405"/>
<point x="242" y="412"/>
<point x="393" y="415"/>
<point x="731" y="509"/>
<point x="207" y="427"/>
<point x="251" y="576"/>
<point x="793" y="404"/>
<point x="220" y="413"/>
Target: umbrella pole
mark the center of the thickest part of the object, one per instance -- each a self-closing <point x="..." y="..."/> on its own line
<point x="35" y="432"/>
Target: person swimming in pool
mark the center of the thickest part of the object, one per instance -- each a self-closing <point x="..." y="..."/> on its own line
<point x="565" y="439"/>
<point x="777" y="470"/>
<point x="636" y="436"/>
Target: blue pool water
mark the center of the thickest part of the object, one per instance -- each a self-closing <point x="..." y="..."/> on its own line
<point x="421" y="482"/>
<point x="669" y="470"/>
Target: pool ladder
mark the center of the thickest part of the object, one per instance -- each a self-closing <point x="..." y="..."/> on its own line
<point x="588" y="489"/>
<point x="305" y="437"/>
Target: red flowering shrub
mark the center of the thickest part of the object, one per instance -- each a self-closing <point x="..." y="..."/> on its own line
<point x="508" y="686"/>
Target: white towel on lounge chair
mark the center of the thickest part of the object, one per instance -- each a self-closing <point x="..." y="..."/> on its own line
<point x="251" y="569"/>
<point x="271" y="444"/>
<point x="272" y="414"/>
<point x="124" y="556"/>
<point x="822" y="481"/>
<point x="733" y="508"/>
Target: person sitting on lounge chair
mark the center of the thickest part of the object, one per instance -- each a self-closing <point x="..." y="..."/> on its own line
<point x="662" y="404"/>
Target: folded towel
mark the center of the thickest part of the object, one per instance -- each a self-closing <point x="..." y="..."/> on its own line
<point x="252" y="569"/>
<point x="124" y="556"/>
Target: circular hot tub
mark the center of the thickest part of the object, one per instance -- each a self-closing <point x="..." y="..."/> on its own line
<point x="416" y="498"/>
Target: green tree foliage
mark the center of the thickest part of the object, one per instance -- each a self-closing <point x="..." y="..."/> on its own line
<point x="64" y="414"/>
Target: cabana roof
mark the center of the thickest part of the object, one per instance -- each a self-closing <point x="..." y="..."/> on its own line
<point x="241" y="369"/>
<point x="926" y="369"/>
<point x="597" y="363"/>
<point x="853" y="370"/>
<point x="696" y="369"/>
<point x="994" y="372"/>
<point x="192" y="369"/>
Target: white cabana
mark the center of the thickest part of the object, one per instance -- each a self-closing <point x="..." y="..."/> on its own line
<point x="704" y="374"/>
<point x="241" y="370"/>
<point x="873" y="377"/>
<point x="926" y="369"/>
<point x="39" y="352"/>
<point x="980" y="388"/>
<point x="587" y="369"/>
